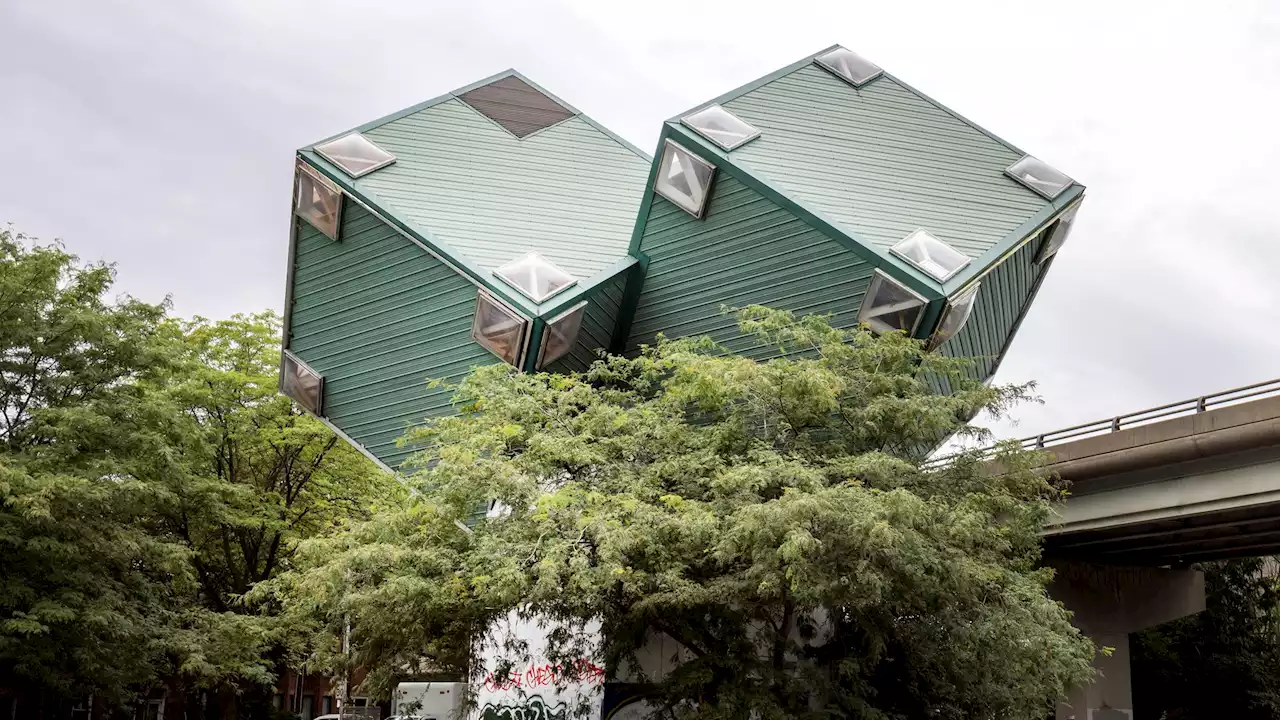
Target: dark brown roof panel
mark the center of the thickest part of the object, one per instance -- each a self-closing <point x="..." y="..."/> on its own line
<point x="516" y="105"/>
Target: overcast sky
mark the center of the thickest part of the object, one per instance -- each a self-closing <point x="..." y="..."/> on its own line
<point x="160" y="135"/>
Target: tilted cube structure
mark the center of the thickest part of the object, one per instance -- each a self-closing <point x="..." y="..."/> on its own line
<point x="499" y="224"/>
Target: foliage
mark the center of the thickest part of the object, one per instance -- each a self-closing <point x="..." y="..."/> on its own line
<point x="1220" y="663"/>
<point x="774" y="519"/>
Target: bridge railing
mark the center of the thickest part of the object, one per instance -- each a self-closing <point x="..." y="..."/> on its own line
<point x="1269" y="388"/>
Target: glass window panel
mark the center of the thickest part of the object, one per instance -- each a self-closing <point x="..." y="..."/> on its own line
<point x="889" y="306"/>
<point x="959" y="308"/>
<point x="560" y="335"/>
<point x="1039" y="176"/>
<point x="317" y="202"/>
<point x="355" y="154"/>
<point x="684" y="179"/>
<point x="850" y="66"/>
<point x="499" y="329"/>
<point x="1058" y="234"/>
<point x="303" y="384"/>
<point x="535" y="276"/>
<point x="930" y="255"/>
<point x="720" y="127"/>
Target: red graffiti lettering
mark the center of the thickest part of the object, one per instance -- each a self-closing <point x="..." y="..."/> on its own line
<point x="581" y="671"/>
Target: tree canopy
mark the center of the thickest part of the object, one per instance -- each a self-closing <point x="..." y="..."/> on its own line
<point x="776" y="520"/>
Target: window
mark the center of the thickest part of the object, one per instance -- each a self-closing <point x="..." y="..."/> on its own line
<point x="499" y="329"/>
<point x="684" y="179"/>
<point x="849" y="66"/>
<point x="889" y="306"/>
<point x="317" y="201"/>
<point x="1039" y="177"/>
<point x="930" y="254"/>
<point x="957" y="313"/>
<point x="535" y="276"/>
<point x="355" y="154"/>
<point x="1058" y="234"/>
<point x="304" y="385"/>
<point x="560" y="335"/>
<point x="720" y="127"/>
<point x="326" y="705"/>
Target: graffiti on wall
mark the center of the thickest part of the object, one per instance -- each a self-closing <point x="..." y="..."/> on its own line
<point x="546" y="675"/>
<point x="530" y="708"/>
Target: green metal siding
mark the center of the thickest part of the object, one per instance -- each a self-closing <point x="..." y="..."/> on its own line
<point x="569" y="191"/>
<point x="881" y="161"/>
<point x="379" y="317"/>
<point x="598" y="323"/>
<point x="747" y="250"/>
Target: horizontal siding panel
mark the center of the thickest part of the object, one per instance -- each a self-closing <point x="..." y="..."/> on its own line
<point x="379" y="317"/>
<point x="570" y="191"/>
<point x="881" y="161"/>
<point x="746" y="251"/>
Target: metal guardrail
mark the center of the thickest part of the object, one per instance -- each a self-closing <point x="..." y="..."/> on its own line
<point x="1269" y="388"/>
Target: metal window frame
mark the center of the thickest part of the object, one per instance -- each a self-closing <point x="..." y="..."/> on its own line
<point x="898" y="253"/>
<point x="755" y="131"/>
<point x="378" y="166"/>
<point x="546" y="333"/>
<point x="969" y="290"/>
<point x="1009" y="172"/>
<point x="706" y="196"/>
<point x="523" y="344"/>
<point x="818" y="59"/>
<point x="536" y="299"/>
<point x="316" y="176"/>
<point x="291" y="356"/>
<point x="877" y="277"/>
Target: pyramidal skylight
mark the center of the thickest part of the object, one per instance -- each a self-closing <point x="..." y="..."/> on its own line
<point x="849" y="66"/>
<point x="1058" y="234"/>
<point x="317" y="201"/>
<point x="1039" y="176"/>
<point x="889" y="306"/>
<point x="720" y="127"/>
<point x="560" y="335"/>
<point x="304" y="385"/>
<point x="959" y="308"/>
<point x="499" y="329"/>
<point x="684" y="179"/>
<point x="355" y="154"/>
<point x="930" y="254"/>
<point x="535" y="276"/>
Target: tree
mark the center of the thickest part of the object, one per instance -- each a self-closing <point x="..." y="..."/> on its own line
<point x="776" y="520"/>
<point x="1223" y="662"/>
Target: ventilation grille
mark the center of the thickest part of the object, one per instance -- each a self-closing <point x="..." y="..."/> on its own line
<point x="516" y="105"/>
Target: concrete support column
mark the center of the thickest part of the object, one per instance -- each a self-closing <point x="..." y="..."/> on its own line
<point x="1110" y="602"/>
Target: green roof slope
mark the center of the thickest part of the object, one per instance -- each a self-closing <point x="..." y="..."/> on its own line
<point x="881" y="161"/>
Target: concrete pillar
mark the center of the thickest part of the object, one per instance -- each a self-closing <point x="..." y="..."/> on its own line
<point x="1109" y="602"/>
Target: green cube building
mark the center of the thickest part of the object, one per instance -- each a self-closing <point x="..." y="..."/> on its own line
<point x="498" y="224"/>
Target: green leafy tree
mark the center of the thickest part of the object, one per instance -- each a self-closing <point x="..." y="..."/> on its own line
<point x="774" y="520"/>
<point x="1223" y="662"/>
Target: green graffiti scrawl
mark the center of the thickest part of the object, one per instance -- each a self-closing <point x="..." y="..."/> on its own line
<point x="532" y="708"/>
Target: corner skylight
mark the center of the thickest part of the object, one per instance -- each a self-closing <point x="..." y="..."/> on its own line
<point x="1038" y="176"/>
<point x="684" y="179"/>
<point x="499" y="329"/>
<point x="304" y="385"/>
<point x="849" y="66"/>
<point x="720" y="127"/>
<point x="535" y="276"/>
<point x="930" y="254"/>
<point x="956" y="314"/>
<point x="560" y="335"/>
<point x="317" y="201"/>
<point x="355" y="154"/>
<point x="889" y="306"/>
<point x="1058" y="234"/>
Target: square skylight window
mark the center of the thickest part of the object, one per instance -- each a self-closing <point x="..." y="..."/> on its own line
<point x="954" y="317"/>
<point x="499" y="329"/>
<point x="560" y="335"/>
<point x="535" y="276"/>
<point x="355" y="154"/>
<point x="850" y="66"/>
<point x="720" y="127"/>
<point x="930" y="254"/>
<point x="304" y="385"/>
<point x="684" y="179"/>
<point x="1038" y="176"/>
<point x="317" y="201"/>
<point x="1058" y="234"/>
<point x="889" y="306"/>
